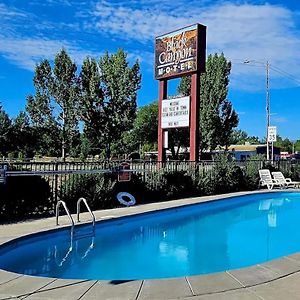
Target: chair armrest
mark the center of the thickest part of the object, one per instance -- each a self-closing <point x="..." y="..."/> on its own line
<point x="276" y="181"/>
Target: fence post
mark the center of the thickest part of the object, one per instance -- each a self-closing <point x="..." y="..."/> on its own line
<point x="56" y="182"/>
<point x="144" y="171"/>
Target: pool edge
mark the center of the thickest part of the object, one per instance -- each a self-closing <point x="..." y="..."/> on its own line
<point x="188" y="286"/>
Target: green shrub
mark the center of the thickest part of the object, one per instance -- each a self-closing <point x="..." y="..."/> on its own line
<point x="204" y="183"/>
<point x="23" y="197"/>
<point x="98" y="189"/>
<point x="295" y="172"/>
<point x="227" y="177"/>
<point x="250" y="172"/>
<point x="174" y="184"/>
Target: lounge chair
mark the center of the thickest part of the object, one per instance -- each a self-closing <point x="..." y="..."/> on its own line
<point x="286" y="182"/>
<point x="267" y="180"/>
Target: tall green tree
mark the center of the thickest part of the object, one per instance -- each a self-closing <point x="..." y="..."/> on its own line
<point x="217" y="116"/>
<point x="119" y="84"/>
<point x="108" y="98"/>
<point x="54" y="105"/>
<point x="91" y="104"/>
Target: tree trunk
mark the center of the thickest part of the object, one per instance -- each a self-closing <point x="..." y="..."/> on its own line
<point x="63" y="150"/>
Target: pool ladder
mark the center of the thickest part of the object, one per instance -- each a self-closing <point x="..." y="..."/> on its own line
<point x="91" y="246"/>
<point x="59" y="203"/>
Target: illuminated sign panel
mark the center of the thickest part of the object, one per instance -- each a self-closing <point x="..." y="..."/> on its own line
<point x="175" y="113"/>
<point x="176" y="53"/>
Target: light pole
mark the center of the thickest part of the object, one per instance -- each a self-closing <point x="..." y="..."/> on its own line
<point x="267" y="66"/>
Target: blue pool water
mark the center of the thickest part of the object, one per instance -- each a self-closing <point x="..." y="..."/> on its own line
<point x="196" y="239"/>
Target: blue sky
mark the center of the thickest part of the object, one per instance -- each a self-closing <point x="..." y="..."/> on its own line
<point x="244" y="30"/>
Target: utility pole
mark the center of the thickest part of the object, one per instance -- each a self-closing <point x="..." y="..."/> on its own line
<point x="267" y="106"/>
<point x="267" y="65"/>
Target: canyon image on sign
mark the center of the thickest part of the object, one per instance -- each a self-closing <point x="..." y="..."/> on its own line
<point x="176" y="52"/>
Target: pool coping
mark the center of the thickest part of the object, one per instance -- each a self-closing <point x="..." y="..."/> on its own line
<point x="31" y="287"/>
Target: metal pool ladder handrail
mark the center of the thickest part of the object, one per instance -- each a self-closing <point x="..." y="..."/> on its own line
<point x="60" y="202"/>
<point x="88" y="208"/>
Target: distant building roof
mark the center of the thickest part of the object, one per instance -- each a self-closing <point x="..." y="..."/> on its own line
<point x="243" y="147"/>
<point x="247" y="147"/>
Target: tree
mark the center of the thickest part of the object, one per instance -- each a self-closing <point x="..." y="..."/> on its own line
<point x="5" y="130"/>
<point x="23" y="137"/>
<point x="145" y="125"/>
<point x="240" y="137"/>
<point x="91" y="103"/>
<point x="55" y="103"/>
<point x="284" y="144"/>
<point x="217" y="116"/>
<point x="143" y="135"/>
<point x="119" y="84"/>
<point x="108" y="98"/>
<point x="297" y="146"/>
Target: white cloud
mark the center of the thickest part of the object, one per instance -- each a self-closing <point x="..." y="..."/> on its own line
<point x="9" y="12"/>
<point x="241" y="31"/>
<point x="26" y="53"/>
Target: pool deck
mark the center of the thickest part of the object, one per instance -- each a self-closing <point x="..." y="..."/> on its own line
<point x="276" y="279"/>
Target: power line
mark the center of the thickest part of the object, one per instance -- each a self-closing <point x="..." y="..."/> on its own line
<point x="285" y="74"/>
<point x="254" y="63"/>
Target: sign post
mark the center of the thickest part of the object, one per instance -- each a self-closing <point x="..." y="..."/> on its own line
<point x="272" y="137"/>
<point x="178" y="54"/>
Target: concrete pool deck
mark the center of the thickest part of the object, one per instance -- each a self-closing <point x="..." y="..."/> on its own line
<point x="276" y="279"/>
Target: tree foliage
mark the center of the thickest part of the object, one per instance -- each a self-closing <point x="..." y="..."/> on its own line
<point x="54" y="105"/>
<point x="285" y="145"/>
<point x="240" y="137"/>
<point x="108" y="98"/>
<point x="217" y="116"/>
<point x="91" y="103"/>
<point x="5" y="131"/>
<point x="119" y="84"/>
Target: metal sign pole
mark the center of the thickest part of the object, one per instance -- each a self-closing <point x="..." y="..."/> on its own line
<point x="272" y="157"/>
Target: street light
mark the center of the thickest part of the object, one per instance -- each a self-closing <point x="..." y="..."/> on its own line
<point x="267" y="66"/>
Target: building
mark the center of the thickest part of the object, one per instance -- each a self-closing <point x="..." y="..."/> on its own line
<point x="243" y="152"/>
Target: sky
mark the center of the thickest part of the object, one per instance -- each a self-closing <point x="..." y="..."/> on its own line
<point x="254" y="31"/>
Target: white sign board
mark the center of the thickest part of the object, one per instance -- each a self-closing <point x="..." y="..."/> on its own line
<point x="175" y="113"/>
<point x="166" y="139"/>
<point x="272" y="134"/>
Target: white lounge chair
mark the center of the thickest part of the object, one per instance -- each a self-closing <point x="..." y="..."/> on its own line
<point x="267" y="180"/>
<point x="286" y="182"/>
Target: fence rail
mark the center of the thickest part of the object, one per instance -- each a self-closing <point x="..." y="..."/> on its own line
<point x="58" y="174"/>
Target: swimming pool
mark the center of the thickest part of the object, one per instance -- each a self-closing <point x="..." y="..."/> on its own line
<point x="190" y="240"/>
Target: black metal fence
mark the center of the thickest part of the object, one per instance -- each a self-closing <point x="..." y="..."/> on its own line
<point x="59" y="174"/>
